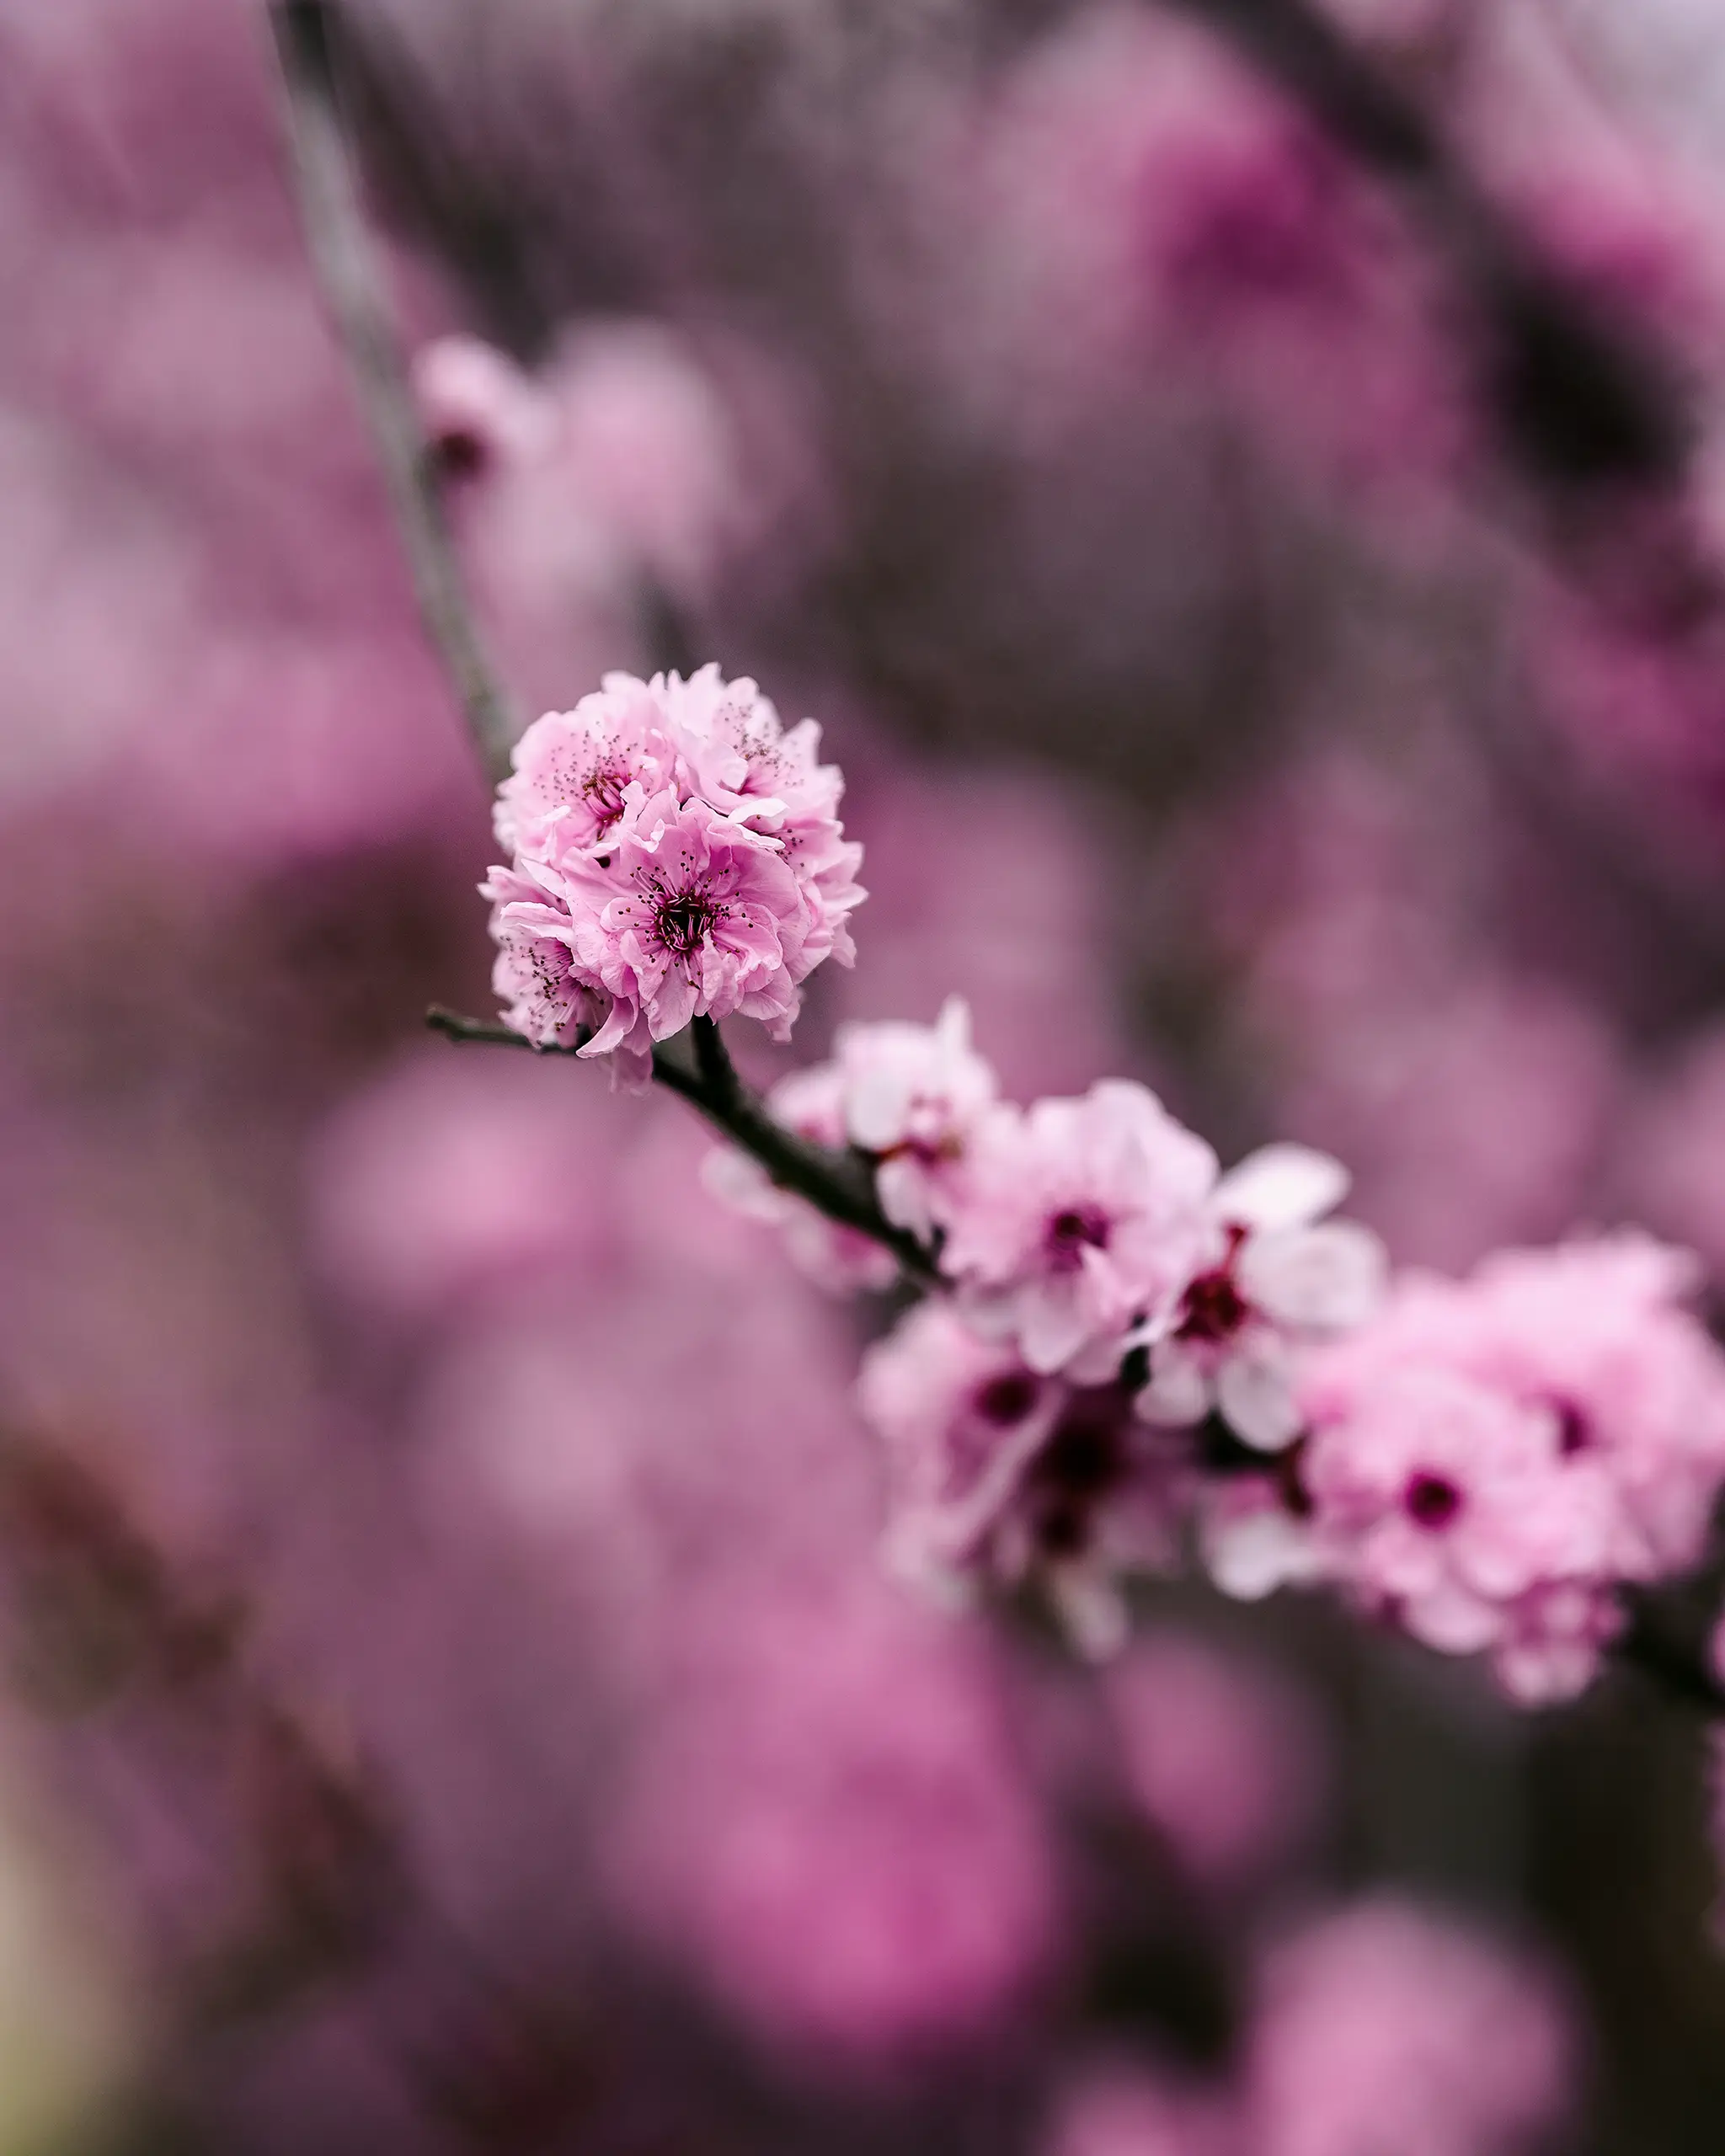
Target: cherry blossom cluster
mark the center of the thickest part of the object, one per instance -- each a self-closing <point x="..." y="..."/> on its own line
<point x="1134" y="1351"/>
<point x="1110" y="1290"/>
<point x="675" y="853"/>
<point x="1490" y="1460"/>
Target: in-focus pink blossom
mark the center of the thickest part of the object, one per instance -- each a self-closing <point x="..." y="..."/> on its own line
<point x="1488" y="1460"/>
<point x="544" y="992"/>
<point x="1276" y="1275"/>
<point x="684" y="849"/>
<point x="1080" y="1220"/>
<point x="690" y="916"/>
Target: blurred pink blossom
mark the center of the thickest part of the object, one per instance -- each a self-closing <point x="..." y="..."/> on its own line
<point x="1382" y="2027"/>
<point x="1223" y="1755"/>
<point x="828" y="1825"/>
<point x="1120" y="2108"/>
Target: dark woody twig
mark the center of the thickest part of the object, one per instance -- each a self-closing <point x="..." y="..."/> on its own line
<point x="1668" y="1651"/>
<point x="840" y="1185"/>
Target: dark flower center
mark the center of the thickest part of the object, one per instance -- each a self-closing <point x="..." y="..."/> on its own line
<point x="1085" y="1458"/>
<point x="602" y="789"/>
<point x="1432" y="1499"/>
<point x="1214" y="1309"/>
<point x="459" y="454"/>
<point x="1069" y="1233"/>
<point x="683" y="921"/>
<point x="1574" y="1435"/>
<point x="1008" y="1398"/>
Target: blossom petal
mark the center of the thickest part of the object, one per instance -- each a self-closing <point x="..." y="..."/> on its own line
<point x="1281" y="1187"/>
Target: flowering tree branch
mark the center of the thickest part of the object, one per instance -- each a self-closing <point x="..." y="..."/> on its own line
<point x="837" y="1184"/>
<point x="677" y="819"/>
<point x="343" y="258"/>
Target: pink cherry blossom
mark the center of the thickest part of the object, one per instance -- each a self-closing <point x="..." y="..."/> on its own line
<point x="1255" y="1535"/>
<point x="910" y="1096"/>
<point x="961" y="1417"/>
<point x="680" y="887"/>
<point x="1488" y="1460"/>
<point x="1001" y="1475"/>
<point x="1443" y="1502"/>
<point x="914" y="1095"/>
<point x="1382" y="2027"/>
<point x="737" y="757"/>
<point x="1080" y="1219"/>
<point x="1276" y="1275"/>
<point x="543" y="991"/>
<point x="1598" y="1335"/>
<point x="691" y="915"/>
<point x="578" y="772"/>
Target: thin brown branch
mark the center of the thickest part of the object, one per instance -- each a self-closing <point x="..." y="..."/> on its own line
<point x="343" y="259"/>
<point x="1669" y="1653"/>
<point x="839" y="1185"/>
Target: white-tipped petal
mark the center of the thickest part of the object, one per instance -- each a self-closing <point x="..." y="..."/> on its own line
<point x="953" y="1026"/>
<point x="1322" y="1279"/>
<point x="1255" y="1392"/>
<point x="1178" y="1391"/>
<point x="1091" y="1609"/>
<point x="1280" y="1187"/>
<point x="1252" y="1554"/>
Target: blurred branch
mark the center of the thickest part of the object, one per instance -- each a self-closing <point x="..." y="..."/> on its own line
<point x="1664" y="1651"/>
<point x="348" y="274"/>
<point x="839" y="1185"/>
<point x="1580" y="397"/>
<point x="323" y="1888"/>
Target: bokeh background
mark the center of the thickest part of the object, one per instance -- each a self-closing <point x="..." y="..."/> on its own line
<point x="1242" y="484"/>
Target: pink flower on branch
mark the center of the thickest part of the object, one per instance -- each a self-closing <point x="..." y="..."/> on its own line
<point x="689" y="914"/>
<point x="684" y="849"/>
<point x="537" y="978"/>
<point x="915" y="1096"/>
<point x="910" y="1096"/>
<point x="1275" y="1275"/>
<point x="1001" y="1476"/>
<point x="1080" y="1224"/>
<point x="1489" y="1461"/>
